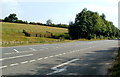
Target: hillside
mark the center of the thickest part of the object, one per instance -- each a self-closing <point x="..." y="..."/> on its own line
<point x="12" y="33"/>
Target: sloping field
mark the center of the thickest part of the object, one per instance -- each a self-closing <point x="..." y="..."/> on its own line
<point x="12" y="33"/>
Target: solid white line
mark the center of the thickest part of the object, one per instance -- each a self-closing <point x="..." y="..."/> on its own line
<point x="16" y="50"/>
<point x="14" y="64"/>
<point x="24" y="62"/>
<point x="16" y="57"/>
<point x="64" y="63"/>
<point x="40" y="59"/>
<point x="3" y="67"/>
<point x="7" y="53"/>
<point x="32" y="60"/>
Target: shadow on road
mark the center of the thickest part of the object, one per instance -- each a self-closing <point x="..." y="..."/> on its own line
<point x="95" y="63"/>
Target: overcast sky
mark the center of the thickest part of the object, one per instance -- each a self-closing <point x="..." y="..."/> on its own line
<point x="59" y="11"/>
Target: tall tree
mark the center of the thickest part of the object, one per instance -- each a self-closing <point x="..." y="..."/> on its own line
<point x="90" y="25"/>
<point x="11" y="18"/>
<point x="49" y="22"/>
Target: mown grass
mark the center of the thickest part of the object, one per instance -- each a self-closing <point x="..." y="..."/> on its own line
<point x="12" y="32"/>
<point x="115" y="70"/>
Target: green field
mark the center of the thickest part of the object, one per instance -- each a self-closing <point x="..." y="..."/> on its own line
<point x="12" y="34"/>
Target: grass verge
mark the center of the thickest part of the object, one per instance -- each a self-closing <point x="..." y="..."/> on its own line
<point x="115" y="70"/>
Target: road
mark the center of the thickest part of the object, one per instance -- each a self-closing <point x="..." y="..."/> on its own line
<point x="73" y="58"/>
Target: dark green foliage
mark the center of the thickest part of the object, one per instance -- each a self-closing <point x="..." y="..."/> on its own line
<point x="91" y="25"/>
<point x="49" y="22"/>
<point x="115" y="71"/>
<point x="11" y="18"/>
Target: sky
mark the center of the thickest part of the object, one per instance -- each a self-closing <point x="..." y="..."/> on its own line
<point x="59" y="11"/>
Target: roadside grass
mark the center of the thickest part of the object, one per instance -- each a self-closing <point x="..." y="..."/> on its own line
<point x="12" y="34"/>
<point x="115" y="70"/>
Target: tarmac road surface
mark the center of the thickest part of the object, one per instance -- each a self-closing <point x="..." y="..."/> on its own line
<point x="74" y="58"/>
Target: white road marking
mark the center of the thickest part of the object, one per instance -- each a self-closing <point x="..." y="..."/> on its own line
<point x="32" y="60"/>
<point x="63" y="69"/>
<point x="64" y="63"/>
<point x="90" y="52"/>
<point x="45" y="57"/>
<point x="32" y="49"/>
<point x="56" y="55"/>
<point x="7" y="53"/>
<point x="60" y="54"/>
<point x="24" y="62"/>
<point x="3" y="67"/>
<point x="57" y="71"/>
<point x="85" y="64"/>
<point x="40" y="59"/>
<point x="16" y="50"/>
<point x="108" y="63"/>
<point x="51" y="56"/>
<point x="16" y="57"/>
<point x="64" y="53"/>
<point x="14" y="64"/>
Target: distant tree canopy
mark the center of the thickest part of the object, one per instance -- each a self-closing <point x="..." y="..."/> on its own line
<point x="90" y="25"/>
<point x="49" y="22"/>
<point x="11" y="18"/>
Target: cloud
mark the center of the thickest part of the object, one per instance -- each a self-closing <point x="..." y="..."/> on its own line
<point x="10" y="6"/>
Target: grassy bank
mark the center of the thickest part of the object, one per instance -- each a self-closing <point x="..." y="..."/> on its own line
<point x="12" y="34"/>
<point x="115" y="70"/>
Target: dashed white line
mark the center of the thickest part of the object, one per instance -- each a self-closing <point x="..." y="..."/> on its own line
<point x="14" y="64"/>
<point x="56" y="55"/>
<point x="51" y="56"/>
<point x="40" y="59"/>
<point x="3" y="67"/>
<point x="60" y="54"/>
<point x="32" y="60"/>
<point x="108" y="63"/>
<point x="45" y="57"/>
<point x="32" y="49"/>
<point x="24" y="62"/>
<point x="64" y="53"/>
<point x="16" y="57"/>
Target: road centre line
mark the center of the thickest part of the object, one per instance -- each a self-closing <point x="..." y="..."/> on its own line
<point x="32" y="49"/>
<point x="40" y="59"/>
<point x="3" y="67"/>
<point x="51" y="56"/>
<point x="45" y="57"/>
<point x="14" y="64"/>
<point x="32" y="60"/>
<point x="16" y="57"/>
<point x="24" y="62"/>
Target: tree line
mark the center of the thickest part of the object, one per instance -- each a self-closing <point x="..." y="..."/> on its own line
<point x="91" y="25"/>
<point x="87" y="24"/>
<point x="14" y="19"/>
